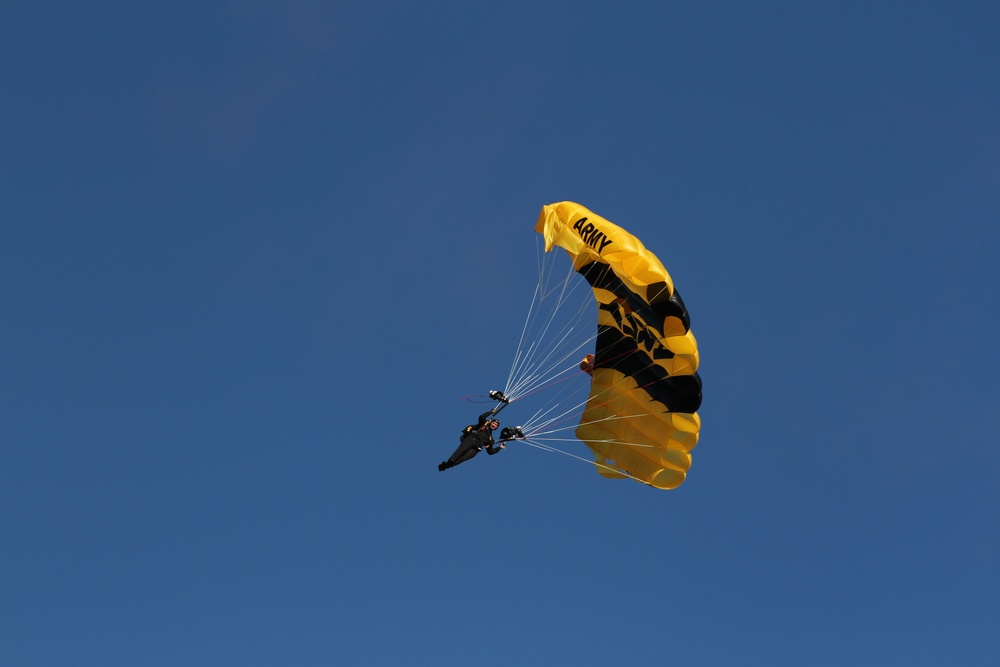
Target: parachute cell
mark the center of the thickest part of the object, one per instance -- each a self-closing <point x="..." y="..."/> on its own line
<point x="641" y="418"/>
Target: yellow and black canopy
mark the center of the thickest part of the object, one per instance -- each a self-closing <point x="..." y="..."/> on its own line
<point x="641" y="418"/>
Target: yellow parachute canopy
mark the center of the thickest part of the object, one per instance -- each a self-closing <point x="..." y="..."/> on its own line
<point x="641" y="417"/>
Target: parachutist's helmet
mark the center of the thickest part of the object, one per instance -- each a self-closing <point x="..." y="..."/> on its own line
<point x="493" y="424"/>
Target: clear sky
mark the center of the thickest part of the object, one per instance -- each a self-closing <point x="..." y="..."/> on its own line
<point x="253" y="255"/>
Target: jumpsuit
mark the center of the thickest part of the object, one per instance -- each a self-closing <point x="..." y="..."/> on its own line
<point x="474" y="438"/>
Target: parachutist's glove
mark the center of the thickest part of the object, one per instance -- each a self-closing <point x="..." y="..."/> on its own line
<point x="498" y="396"/>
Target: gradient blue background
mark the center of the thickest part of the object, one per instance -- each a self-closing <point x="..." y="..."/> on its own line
<point x="252" y="254"/>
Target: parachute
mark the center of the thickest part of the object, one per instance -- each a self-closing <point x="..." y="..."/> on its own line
<point x="640" y="417"/>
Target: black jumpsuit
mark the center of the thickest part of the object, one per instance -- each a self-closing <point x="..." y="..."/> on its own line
<point x="474" y="438"/>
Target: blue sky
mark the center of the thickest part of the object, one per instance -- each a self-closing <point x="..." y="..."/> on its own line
<point x="253" y="255"/>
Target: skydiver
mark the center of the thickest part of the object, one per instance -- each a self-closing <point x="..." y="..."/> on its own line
<point x="474" y="438"/>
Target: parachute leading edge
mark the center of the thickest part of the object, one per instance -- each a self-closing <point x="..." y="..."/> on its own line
<point x="641" y="416"/>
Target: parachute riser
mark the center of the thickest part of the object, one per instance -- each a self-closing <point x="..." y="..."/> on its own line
<point x="501" y="399"/>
